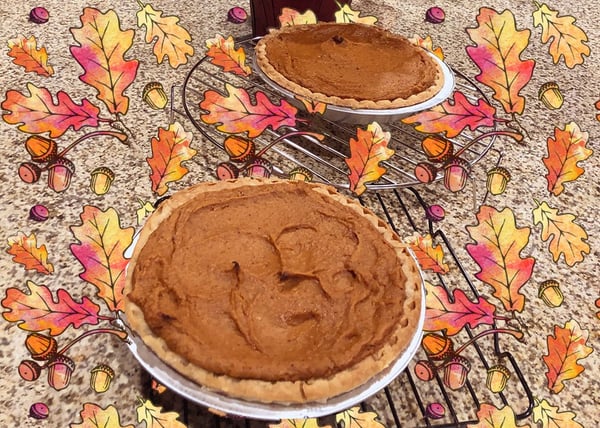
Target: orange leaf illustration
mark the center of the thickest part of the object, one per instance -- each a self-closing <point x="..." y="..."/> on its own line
<point x="427" y="43"/>
<point x="169" y="150"/>
<point x="100" y="247"/>
<point x="565" y="349"/>
<point x="453" y="116"/>
<point x="223" y="54"/>
<point x="291" y="17"/>
<point x="568" y="40"/>
<point x="235" y="112"/>
<point x="170" y="39"/>
<point x="27" y="55"/>
<point x="356" y="418"/>
<point x="366" y="151"/>
<point x="25" y="251"/>
<point x="347" y="15"/>
<point x="154" y="417"/>
<point x="489" y="416"/>
<point x="430" y="257"/>
<point x="565" y="150"/>
<point x="313" y="107"/>
<point x="498" y="55"/>
<point x="497" y="251"/>
<point x="94" y="416"/>
<point x="568" y="238"/>
<point x="549" y="416"/>
<point x="101" y="50"/>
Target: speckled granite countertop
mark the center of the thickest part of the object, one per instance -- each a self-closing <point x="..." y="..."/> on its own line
<point x="544" y="221"/>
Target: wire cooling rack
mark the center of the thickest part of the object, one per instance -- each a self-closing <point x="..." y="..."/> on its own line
<point x="395" y="198"/>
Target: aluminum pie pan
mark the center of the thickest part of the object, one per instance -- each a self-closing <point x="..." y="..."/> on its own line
<point x="212" y="399"/>
<point x="365" y="116"/>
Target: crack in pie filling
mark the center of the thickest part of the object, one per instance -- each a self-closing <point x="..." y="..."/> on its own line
<point x="272" y="290"/>
<point x="349" y="65"/>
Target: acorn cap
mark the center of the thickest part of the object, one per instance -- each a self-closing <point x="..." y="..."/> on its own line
<point x="500" y="170"/>
<point x="499" y="368"/>
<point x="550" y="283"/>
<point x="61" y="359"/>
<point x="547" y="86"/>
<point x="104" y="170"/>
<point x="457" y="359"/>
<point x="60" y="161"/>
<point x="300" y="173"/>
<point x="105" y="369"/>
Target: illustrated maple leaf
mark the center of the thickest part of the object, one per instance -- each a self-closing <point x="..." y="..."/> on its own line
<point x="453" y="116"/>
<point x="101" y="50"/>
<point x="27" y="55"/>
<point x="38" y="310"/>
<point x="355" y="418"/>
<point x="38" y="112"/>
<point x="568" y="40"/>
<point x="427" y="44"/>
<point x="548" y="416"/>
<point x="497" y="53"/>
<point x="154" y="417"/>
<point x="299" y="423"/>
<point x="565" y="150"/>
<point x="430" y="257"/>
<point x="94" y="416"/>
<point x="170" y="39"/>
<point x="223" y="54"/>
<point x="489" y="416"/>
<point x="169" y="151"/>
<point x="497" y="251"/>
<point x="366" y="152"/>
<point x="346" y="15"/>
<point x="100" y="247"/>
<point x="235" y="113"/>
<point x="289" y="17"/>
<point x="565" y="349"/>
<point x="566" y="237"/>
<point x="453" y="311"/>
<point x="25" y="251"/>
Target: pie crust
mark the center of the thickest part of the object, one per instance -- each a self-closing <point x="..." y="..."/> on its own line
<point x="400" y="298"/>
<point x="349" y="65"/>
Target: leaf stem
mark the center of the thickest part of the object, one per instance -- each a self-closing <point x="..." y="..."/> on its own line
<point x="119" y="135"/>
<point x="319" y="137"/>
<point x="516" y="135"/>
<point x="119" y="333"/>
<point x="515" y="333"/>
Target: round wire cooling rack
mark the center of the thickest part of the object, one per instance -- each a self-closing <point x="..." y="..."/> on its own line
<point x="325" y="160"/>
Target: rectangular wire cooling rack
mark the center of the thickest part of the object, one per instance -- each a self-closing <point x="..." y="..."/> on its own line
<point x="395" y="198"/>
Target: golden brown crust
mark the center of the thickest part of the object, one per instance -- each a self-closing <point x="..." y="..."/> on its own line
<point x="314" y="390"/>
<point x="287" y="82"/>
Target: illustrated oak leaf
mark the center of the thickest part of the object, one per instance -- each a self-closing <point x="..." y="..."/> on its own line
<point x="565" y="349"/>
<point x="453" y="311"/>
<point x="101" y="54"/>
<point x="366" y="152"/>
<point x="427" y="43"/>
<point x="154" y="417"/>
<point x="597" y="303"/>
<point x="289" y="17"/>
<point x="38" y="310"/>
<point x="26" y="252"/>
<point x="346" y="15"/>
<point x="38" y="112"/>
<point x="145" y="209"/>
<point x="489" y="416"/>
<point x="27" y="55"/>
<point x="169" y="151"/>
<point x="429" y="256"/>
<point x="299" y="423"/>
<point x="568" y="40"/>
<point x="312" y="107"/>
<point x="170" y="39"/>
<point x="355" y="418"/>
<point x="565" y="150"/>
<point x="223" y="54"/>
<point x="566" y="237"/>
<point x="235" y="113"/>
<point x="497" y="53"/>
<point x="100" y="247"/>
<point x="497" y="251"/>
<point x="548" y="416"/>
<point x="453" y="116"/>
<point x="94" y="416"/>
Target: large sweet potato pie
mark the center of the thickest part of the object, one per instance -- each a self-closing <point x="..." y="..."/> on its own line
<point x="272" y="291"/>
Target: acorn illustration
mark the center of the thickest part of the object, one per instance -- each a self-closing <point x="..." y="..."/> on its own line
<point x="239" y="149"/>
<point x="437" y="148"/>
<point x="60" y="172"/>
<point x="260" y="168"/>
<point x="425" y="172"/>
<point x="300" y="174"/>
<point x="436" y="346"/>
<point x="101" y="180"/>
<point x="102" y="376"/>
<point x="39" y="411"/>
<point x="456" y="174"/>
<point x="39" y="15"/>
<point x="237" y="15"/>
<point x="550" y="95"/>
<point x="435" y="15"/>
<point x="155" y="96"/>
<point x="41" y="347"/>
<point x="497" y="377"/>
<point x="550" y="293"/>
<point x="425" y="370"/>
<point x="39" y="212"/>
<point x="497" y="179"/>
<point x="29" y="172"/>
<point x="60" y="369"/>
<point x="227" y="171"/>
<point x="29" y="370"/>
<point x="41" y="149"/>
<point x="435" y="411"/>
<point x="456" y="371"/>
<point x="435" y="213"/>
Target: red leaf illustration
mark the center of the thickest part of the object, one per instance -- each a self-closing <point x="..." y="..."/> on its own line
<point x="100" y="249"/>
<point x="235" y="113"/>
<point x="565" y="349"/>
<point x="451" y="312"/>
<point x="26" y="54"/>
<point x="39" y="310"/>
<point x="453" y="116"/>
<point x="223" y="54"/>
<point x="38" y="113"/>
<point x="101" y="50"/>
<point x="497" y="251"/>
<point x="498" y="55"/>
<point x="26" y="252"/>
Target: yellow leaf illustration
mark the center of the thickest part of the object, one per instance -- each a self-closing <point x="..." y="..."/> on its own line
<point x="429" y="256"/>
<point x="27" y="55"/>
<point x="427" y="43"/>
<point x="549" y="416"/>
<point x="567" y="39"/>
<point x="299" y="423"/>
<point x="170" y="39"/>
<point x="347" y="15"/>
<point x="223" y="54"/>
<point x="566" y="237"/>
<point x="355" y="418"/>
<point x="145" y="209"/>
<point x="154" y="417"/>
